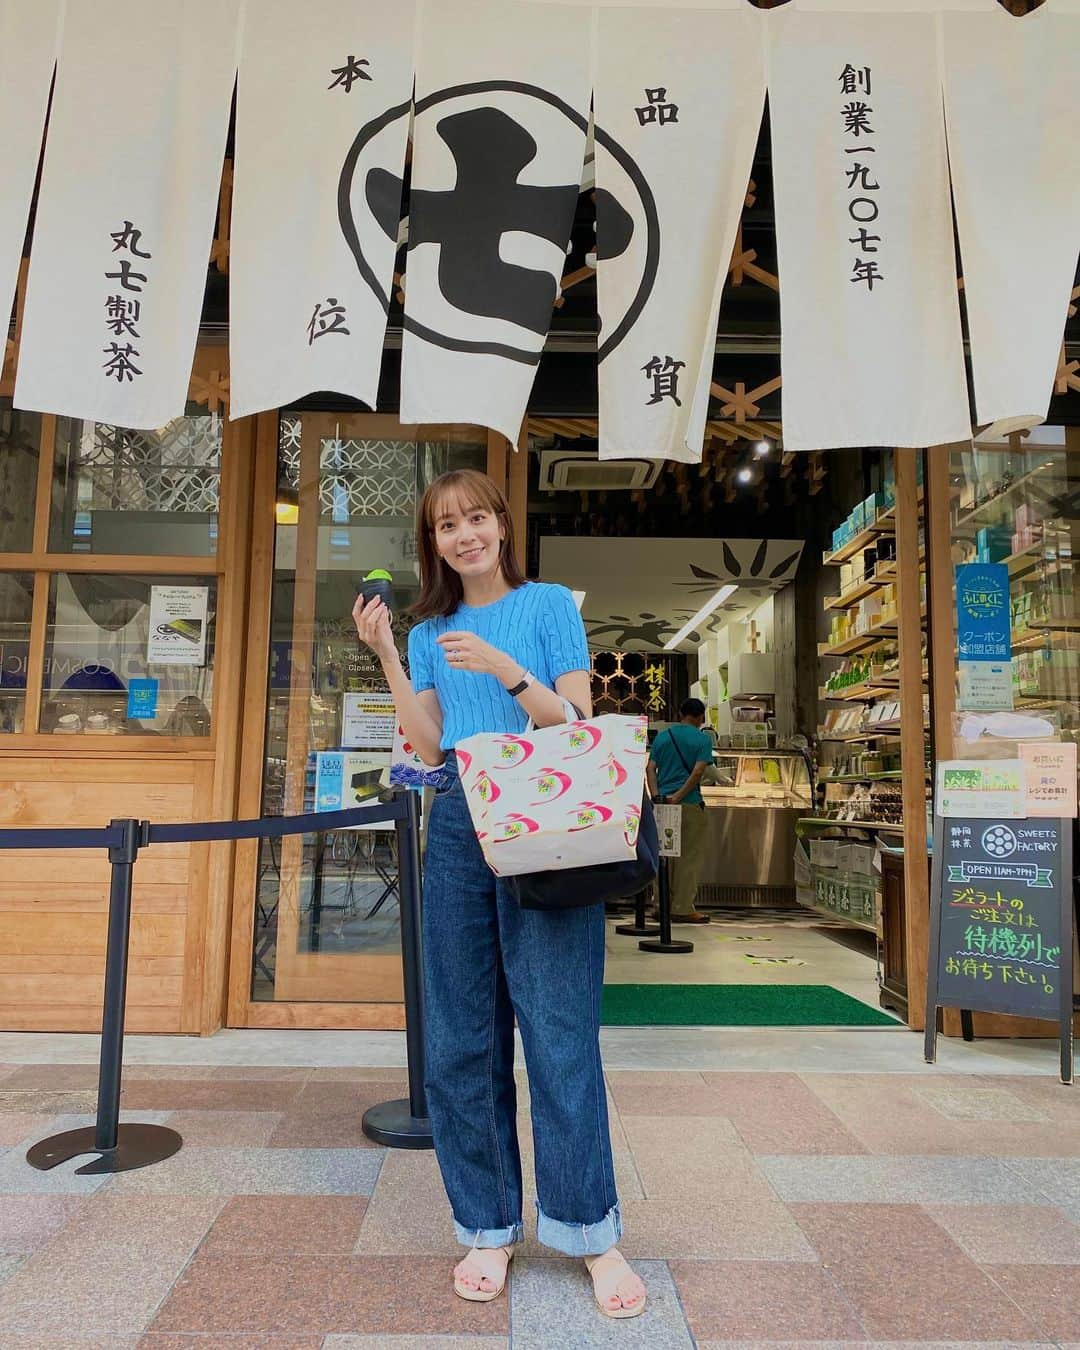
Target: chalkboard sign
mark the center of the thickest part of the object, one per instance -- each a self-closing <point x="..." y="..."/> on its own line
<point x="1001" y="937"/>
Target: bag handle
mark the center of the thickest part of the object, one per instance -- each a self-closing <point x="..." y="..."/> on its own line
<point x="571" y="712"/>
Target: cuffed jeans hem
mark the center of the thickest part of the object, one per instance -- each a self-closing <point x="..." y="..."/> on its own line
<point x="579" y="1239"/>
<point x="489" y="1237"/>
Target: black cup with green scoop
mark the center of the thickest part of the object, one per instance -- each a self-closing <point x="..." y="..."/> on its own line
<point x="378" y="582"/>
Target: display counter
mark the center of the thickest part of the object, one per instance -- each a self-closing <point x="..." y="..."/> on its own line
<point x="752" y="805"/>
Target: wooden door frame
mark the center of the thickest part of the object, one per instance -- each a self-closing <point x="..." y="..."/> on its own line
<point x="241" y="1009"/>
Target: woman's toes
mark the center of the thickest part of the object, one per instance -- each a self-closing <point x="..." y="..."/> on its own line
<point x="486" y="1285"/>
<point x="631" y="1292"/>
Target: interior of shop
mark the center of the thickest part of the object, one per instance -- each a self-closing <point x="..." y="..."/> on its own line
<point x="736" y="586"/>
<point x="763" y="584"/>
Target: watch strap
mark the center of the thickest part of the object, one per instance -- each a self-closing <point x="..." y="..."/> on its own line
<point x="522" y="684"/>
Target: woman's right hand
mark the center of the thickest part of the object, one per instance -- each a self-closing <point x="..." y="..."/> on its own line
<point x="373" y="626"/>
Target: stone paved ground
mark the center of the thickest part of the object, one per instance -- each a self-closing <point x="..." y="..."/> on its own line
<point x="782" y="1209"/>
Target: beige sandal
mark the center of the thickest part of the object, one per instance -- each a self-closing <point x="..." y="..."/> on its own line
<point x="618" y="1262"/>
<point x="484" y="1295"/>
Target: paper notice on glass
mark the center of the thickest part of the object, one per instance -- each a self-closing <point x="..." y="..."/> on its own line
<point x="368" y="721"/>
<point x="992" y="788"/>
<point x="1051" y="778"/>
<point x="986" y="686"/>
<point x="177" y="625"/>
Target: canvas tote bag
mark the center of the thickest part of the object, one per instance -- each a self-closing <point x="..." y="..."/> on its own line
<point x="555" y="798"/>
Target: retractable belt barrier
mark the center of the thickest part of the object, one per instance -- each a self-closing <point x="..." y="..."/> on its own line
<point x="122" y="1148"/>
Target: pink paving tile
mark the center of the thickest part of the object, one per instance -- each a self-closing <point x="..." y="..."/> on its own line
<point x="28" y="1222"/>
<point x="33" y="1341"/>
<point x="108" y="1269"/>
<point x="1001" y="1234"/>
<point x="254" y="1073"/>
<point x="164" y="1094"/>
<point x="896" y="1115"/>
<point x="225" y="1129"/>
<point x="142" y="1072"/>
<point x="53" y="1077"/>
<point x="1046" y="1093"/>
<point x="671" y="1099"/>
<point x="763" y="1301"/>
<point x="154" y="1341"/>
<point x="329" y="1115"/>
<point x="907" y="1278"/>
<point x="1050" y="1295"/>
<point x="344" y="1073"/>
<point x="303" y="1294"/>
<point x="777" y="1113"/>
<point x="285" y="1225"/>
<point x="652" y="1078"/>
<point x="694" y="1158"/>
<point x="15" y="1126"/>
<point x="728" y="1230"/>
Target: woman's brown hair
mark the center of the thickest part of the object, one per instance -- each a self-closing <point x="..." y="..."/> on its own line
<point x="441" y="590"/>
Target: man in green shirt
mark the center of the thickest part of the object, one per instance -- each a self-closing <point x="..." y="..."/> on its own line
<point x="679" y="756"/>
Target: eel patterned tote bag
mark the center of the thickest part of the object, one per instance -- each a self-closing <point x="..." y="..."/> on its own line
<point x="555" y="798"/>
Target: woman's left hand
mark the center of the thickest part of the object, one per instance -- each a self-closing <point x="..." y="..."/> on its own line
<point x="466" y="651"/>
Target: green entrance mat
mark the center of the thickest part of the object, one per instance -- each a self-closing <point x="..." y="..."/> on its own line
<point x="736" y="1005"/>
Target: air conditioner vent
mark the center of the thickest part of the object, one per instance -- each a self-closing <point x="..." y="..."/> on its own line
<point x="582" y="471"/>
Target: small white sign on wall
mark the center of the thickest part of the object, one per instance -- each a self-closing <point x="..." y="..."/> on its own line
<point x="177" y="626"/>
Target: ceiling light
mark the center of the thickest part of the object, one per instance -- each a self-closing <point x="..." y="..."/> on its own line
<point x="762" y="448"/>
<point x="745" y="475"/>
<point x="703" y="613"/>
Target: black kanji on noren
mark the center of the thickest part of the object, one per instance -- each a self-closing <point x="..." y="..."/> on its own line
<point x="857" y="119"/>
<point x="664" y="374"/>
<point x="326" y="319"/>
<point x="126" y="276"/>
<point x="122" y="315"/>
<point x="120" y="365"/>
<point x="854" y="81"/>
<point x="128" y="237"/>
<point x="468" y="221"/>
<point x="349" y="73"/>
<point x="859" y="174"/>
<point x="657" y="109"/>
<point x="866" y="269"/>
<point x="863" y="239"/>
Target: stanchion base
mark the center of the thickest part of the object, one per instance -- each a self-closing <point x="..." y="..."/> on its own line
<point x="674" y="948"/>
<point x="393" y="1125"/>
<point x="137" y="1146"/>
<point x="637" y="930"/>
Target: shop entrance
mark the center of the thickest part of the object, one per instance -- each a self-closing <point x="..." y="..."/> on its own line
<point x="764" y="586"/>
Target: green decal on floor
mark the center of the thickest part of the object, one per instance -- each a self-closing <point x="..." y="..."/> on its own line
<point x="772" y="960"/>
<point x="736" y="1005"/>
<point x="742" y="938"/>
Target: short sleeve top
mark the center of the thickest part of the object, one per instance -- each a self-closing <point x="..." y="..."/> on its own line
<point x="537" y="624"/>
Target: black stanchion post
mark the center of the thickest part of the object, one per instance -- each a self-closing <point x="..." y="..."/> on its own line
<point x="639" y="928"/>
<point x="122" y="1148"/>
<point x="404" y="1124"/>
<point x="665" y="943"/>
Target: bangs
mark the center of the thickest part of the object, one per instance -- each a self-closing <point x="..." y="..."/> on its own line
<point x="462" y="498"/>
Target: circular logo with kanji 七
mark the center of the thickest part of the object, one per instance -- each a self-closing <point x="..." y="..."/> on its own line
<point x="999" y="841"/>
<point x="488" y="229"/>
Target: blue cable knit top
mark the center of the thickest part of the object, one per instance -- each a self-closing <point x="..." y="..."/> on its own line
<point x="537" y="624"/>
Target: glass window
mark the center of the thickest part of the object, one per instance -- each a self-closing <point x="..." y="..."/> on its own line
<point x="129" y="655"/>
<point x="16" y="603"/>
<point x="1017" y="502"/>
<point x="327" y="913"/>
<point x="152" y="492"/>
<point x="20" y="438"/>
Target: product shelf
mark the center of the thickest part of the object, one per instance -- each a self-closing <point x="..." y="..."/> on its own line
<point x="858" y="542"/>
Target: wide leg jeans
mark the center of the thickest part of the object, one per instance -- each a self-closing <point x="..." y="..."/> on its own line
<point x="486" y="962"/>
